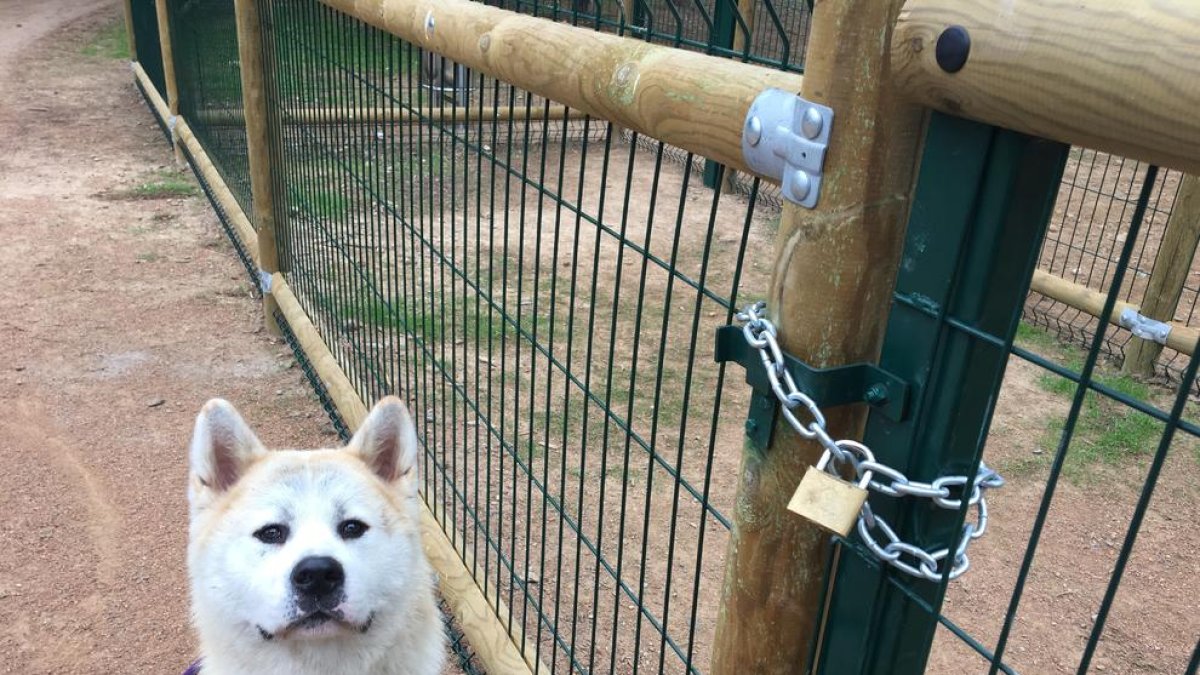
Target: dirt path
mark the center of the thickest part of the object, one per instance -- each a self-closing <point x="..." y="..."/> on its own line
<point x="107" y="307"/>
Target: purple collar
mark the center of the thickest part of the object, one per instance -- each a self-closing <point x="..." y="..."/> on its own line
<point x="193" y="669"/>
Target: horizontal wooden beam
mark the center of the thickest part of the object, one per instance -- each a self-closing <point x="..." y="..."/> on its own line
<point x="1122" y="76"/>
<point x="480" y="620"/>
<point x="1181" y="338"/>
<point x="449" y="114"/>
<point x="690" y="100"/>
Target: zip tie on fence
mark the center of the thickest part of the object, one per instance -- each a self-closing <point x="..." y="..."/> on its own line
<point x="887" y="545"/>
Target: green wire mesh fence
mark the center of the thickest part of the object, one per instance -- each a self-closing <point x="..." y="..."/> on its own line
<point x="146" y="42"/>
<point x="543" y="290"/>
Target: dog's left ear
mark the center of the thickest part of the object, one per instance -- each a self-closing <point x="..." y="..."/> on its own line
<point x="387" y="440"/>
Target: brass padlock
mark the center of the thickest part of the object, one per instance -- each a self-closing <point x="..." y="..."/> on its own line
<point x="829" y="501"/>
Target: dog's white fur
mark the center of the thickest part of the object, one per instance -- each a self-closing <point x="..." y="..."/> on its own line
<point x="241" y="588"/>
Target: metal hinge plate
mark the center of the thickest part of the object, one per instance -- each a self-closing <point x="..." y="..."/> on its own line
<point x="829" y="387"/>
<point x="785" y="138"/>
<point x="1145" y="327"/>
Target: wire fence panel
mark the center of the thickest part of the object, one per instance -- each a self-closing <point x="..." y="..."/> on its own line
<point x="1096" y="203"/>
<point x="208" y="77"/>
<point x="145" y="39"/>
<point x="543" y="289"/>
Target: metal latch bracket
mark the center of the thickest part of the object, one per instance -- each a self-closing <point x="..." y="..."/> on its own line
<point x="785" y="138"/>
<point x="829" y="387"/>
<point x="1144" y="327"/>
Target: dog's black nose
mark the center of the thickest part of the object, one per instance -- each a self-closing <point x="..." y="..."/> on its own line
<point x="318" y="576"/>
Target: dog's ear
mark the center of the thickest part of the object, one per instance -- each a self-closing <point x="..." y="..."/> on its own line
<point x="387" y="440"/>
<point x="223" y="446"/>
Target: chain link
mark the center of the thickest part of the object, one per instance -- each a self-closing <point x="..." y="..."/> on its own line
<point x="946" y="492"/>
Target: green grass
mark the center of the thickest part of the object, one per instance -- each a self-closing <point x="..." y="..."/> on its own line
<point x="110" y="42"/>
<point x="1108" y="432"/>
<point x="164" y="184"/>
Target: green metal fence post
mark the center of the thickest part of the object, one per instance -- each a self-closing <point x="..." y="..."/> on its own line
<point x="982" y="204"/>
<point x="722" y="35"/>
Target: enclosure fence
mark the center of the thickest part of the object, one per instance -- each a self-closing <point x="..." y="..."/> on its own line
<point x="536" y="221"/>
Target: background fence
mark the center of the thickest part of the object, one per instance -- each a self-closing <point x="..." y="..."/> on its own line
<point x="543" y="287"/>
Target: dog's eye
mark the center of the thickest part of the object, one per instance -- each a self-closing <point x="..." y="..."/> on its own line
<point x="352" y="529"/>
<point x="272" y="534"/>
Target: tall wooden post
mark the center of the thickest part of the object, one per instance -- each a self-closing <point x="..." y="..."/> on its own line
<point x="127" y="6"/>
<point x="168" y="63"/>
<point x="830" y="292"/>
<point x="1172" y="265"/>
<point x="258" y="146"/>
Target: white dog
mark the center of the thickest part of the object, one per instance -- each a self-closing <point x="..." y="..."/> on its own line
<point x="307" y="562"/>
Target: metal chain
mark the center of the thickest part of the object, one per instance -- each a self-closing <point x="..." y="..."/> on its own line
<point x="886" y="545"/>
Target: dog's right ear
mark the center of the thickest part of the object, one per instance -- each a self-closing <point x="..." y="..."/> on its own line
<point x="223" y="447"/>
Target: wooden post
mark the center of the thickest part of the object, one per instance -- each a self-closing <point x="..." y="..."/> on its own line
<point x="1075" y="71"/>
<point x="1172" y="265"/>
<point x="168" y="63"/>
<point x="258" y="146"/>
<point x="127" y="5"/>
<point x="830" y="293"/>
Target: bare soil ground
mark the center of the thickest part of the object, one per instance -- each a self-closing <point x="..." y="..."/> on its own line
<point x="111" y="304"/>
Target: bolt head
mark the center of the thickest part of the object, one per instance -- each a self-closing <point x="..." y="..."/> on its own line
<point x="429" y="23"/>
<point x="753" y="130"/>
<point x="811" y="123"/>
<point x="799" y="186"/>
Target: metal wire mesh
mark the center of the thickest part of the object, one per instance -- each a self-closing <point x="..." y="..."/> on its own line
<point x="146" y="42"/>
<point x="208" y="77"/>
<point x="1096" y="203"/>
<point x="542" y="291"/>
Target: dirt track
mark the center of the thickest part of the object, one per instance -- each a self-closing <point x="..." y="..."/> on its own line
<point x="107" y="306"/>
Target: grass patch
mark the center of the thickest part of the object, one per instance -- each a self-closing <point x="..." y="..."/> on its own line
<point x="160" y="185"/>
<point x="110" y="42"/>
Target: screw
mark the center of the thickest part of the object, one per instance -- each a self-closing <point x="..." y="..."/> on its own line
<point x="952" y="49"/>
<point x="429" y="23"/>
<point x="877" y="394"/>
<point x="753" y="131"/>
<point x="811" y="123"/>
<point x="799" y="186"/>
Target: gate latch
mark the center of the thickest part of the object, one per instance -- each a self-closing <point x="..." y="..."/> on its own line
<point x="785" y="138"/>
<point x="830" y="387"/>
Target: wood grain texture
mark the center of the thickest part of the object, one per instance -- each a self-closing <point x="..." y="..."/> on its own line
<point x="690" y="100"/>
<point x="481" y="618"/>
<point x="1122" y="76"/>
<point x="831" y="287"/>
<point x="447" y="115"/>
<point x="258" y="145"/>
<point x="1172" y="265"/>
<point x="1086" y="300"/>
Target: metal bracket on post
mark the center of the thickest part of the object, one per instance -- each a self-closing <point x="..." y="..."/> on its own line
<point x="829" y="387"/>
<point x="1144" y="327"/>
<point x="785" y="138"/>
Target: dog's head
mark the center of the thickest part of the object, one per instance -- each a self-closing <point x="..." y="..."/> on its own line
<point x="299" y="545"/>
